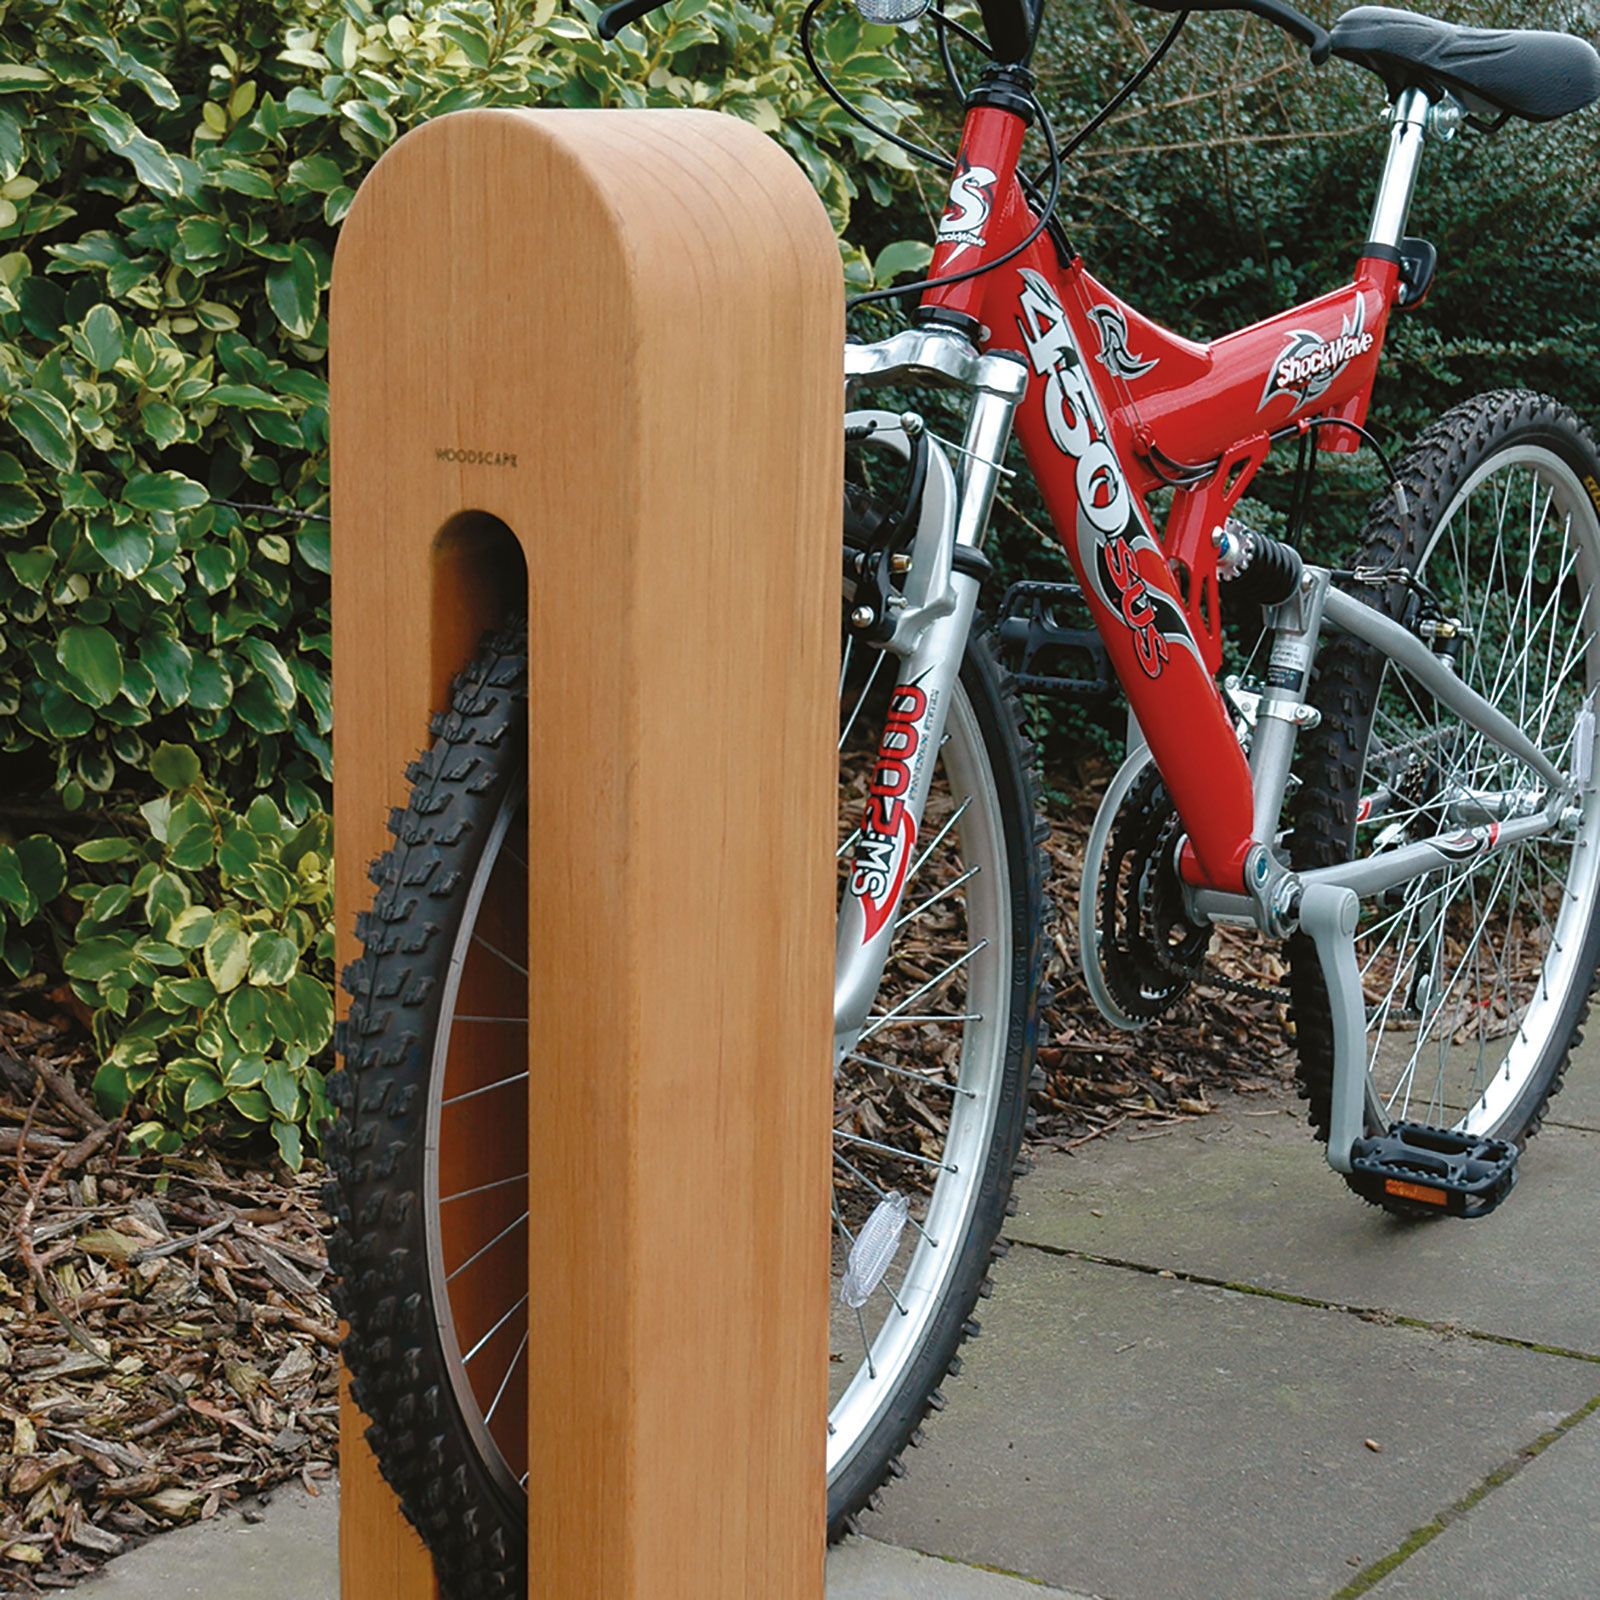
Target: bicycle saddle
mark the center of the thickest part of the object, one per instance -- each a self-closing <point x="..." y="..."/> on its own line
<point x="1517" y="72"/>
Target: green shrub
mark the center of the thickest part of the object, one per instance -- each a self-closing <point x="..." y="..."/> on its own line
<point x="204" y="951"/>
<point x="172" y="177"/>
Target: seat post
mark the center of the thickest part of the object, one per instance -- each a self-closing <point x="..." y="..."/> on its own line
<point x="1408" y="121"/>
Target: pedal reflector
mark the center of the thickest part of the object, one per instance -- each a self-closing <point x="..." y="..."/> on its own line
<point x="1414" y="1191"/>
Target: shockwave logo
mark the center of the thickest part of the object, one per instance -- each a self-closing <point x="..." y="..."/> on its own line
<point x="971" y="200"/>
<point x="1115" y="356"/>
<point x="888" y="832"/>
<point x="1109" y="534"/>
<point x="1310" y="363"/>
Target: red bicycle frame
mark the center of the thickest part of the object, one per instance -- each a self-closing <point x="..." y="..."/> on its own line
<point x="1119" y="408"/>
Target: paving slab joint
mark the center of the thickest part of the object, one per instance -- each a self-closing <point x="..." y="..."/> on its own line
<point x="1378" y="1314"/>
<point x="1429" y="1531"/>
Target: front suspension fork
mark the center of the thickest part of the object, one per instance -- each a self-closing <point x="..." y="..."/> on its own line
<point x="930" y="640"/>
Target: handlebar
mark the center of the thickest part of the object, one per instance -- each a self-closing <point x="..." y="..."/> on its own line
<point x="1011" y="25"/>
<point x="1295" y="23"/>
<point x="615" y="18"/>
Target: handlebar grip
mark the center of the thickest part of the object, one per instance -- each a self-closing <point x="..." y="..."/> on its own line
<point x="615" y="18"/>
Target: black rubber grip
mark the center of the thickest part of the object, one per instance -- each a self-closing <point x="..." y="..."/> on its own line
<point x="615" y="18"/>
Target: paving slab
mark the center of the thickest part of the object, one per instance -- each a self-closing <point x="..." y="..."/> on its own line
<point x="1245" y="1196"/>
<point x="290" y="1553"/>
<point x="1534" y="1538"/>
<point x="1148" y="1438"/>
<point x="864" y="1569"/>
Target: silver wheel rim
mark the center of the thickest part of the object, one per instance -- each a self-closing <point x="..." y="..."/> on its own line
<point x="1469" y="973"/>
<point x="871" y="1355"/>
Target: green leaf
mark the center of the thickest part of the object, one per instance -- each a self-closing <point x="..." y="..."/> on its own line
<point x="314" y="1005"/>
<point x="44" y="866"/>
<point x="99" y="850"/>
<point x="126" y="549"/>
<point x="167" y="900"/>
<point x="904" y="255"/>
<point x="251" y="1103"/>
<point x="14" y="890"/>
<point x="112" y="1089"/>
<point x="273" y="959"/>
<point x="204" y="1090"/>
<point x="20" y="507"/>
<point x="282" y="1089"/>
<point x="168" y="662"/>
<point x="248" y="1017"/>
<point x="292" y="292"/>
<point x="288" y="1137"/>
<point x="65" y="718"/>
<point x="246" y="397"/>
<point x="227" y="955"/>
<point x="190" y="929"/>
<point x="32" y="568"/>
<point x="239" y="850"/>
<point x="163" y="424"/>
<point x="264" y="657"/>
<point x="97" y="958"/>
<point x="319" y="174"/>
<point x="94" y="659"/>
<point x="210" y="687"/>
<point x="246" y="1072"/>
<point x="14" y="75"/>
<point x="151" y="81"/>
<point x="163" y="491"/>
<point x="120" y="134"/>
<point x="102" y="337"/>
<point x="175" y="766"/>
<point x="42" y="420"/>
<point x="215" y="566"/>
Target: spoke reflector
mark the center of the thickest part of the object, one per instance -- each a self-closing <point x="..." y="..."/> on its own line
<point x="874" y="1248"/>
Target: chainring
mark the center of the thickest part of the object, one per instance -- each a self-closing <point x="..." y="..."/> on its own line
<point x="1149" y="953"/>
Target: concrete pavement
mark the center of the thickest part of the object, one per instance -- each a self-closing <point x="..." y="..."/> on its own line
<point x="1208" y="1373"/>
<point x="1197" y="1335"/>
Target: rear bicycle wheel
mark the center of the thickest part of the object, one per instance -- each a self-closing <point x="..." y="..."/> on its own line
<point x="1477" y="978"/>
<point x="430" y="1153"/>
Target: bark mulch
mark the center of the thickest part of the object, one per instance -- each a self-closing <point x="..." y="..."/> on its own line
<point x="166" y="1342"/>
<point x="1098" y="1077"/>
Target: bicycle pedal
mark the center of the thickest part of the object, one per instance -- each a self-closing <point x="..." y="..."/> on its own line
<point x="1047" y="656"/>
<point x="1461" y="1174"/>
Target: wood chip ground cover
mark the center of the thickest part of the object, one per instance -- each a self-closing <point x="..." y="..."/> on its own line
<point x="167" y="1347"/>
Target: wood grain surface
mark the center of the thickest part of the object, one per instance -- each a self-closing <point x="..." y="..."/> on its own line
<point x="617" y="335"/>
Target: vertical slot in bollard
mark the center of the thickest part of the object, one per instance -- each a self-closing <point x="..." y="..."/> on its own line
<point x="586" y="365"/>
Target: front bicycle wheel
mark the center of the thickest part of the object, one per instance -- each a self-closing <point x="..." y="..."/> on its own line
<point x="1477" y="978"/>
<point x="430" y="1152"/>
<point x="930" y="1106"/>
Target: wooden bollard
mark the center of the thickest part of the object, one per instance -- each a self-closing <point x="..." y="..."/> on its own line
<point x="617" y="336"/>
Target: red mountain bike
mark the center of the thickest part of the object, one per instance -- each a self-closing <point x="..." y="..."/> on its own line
<point x="1402" y="789"/>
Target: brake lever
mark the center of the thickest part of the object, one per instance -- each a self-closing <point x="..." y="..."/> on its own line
<point x="615" y="18"/>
